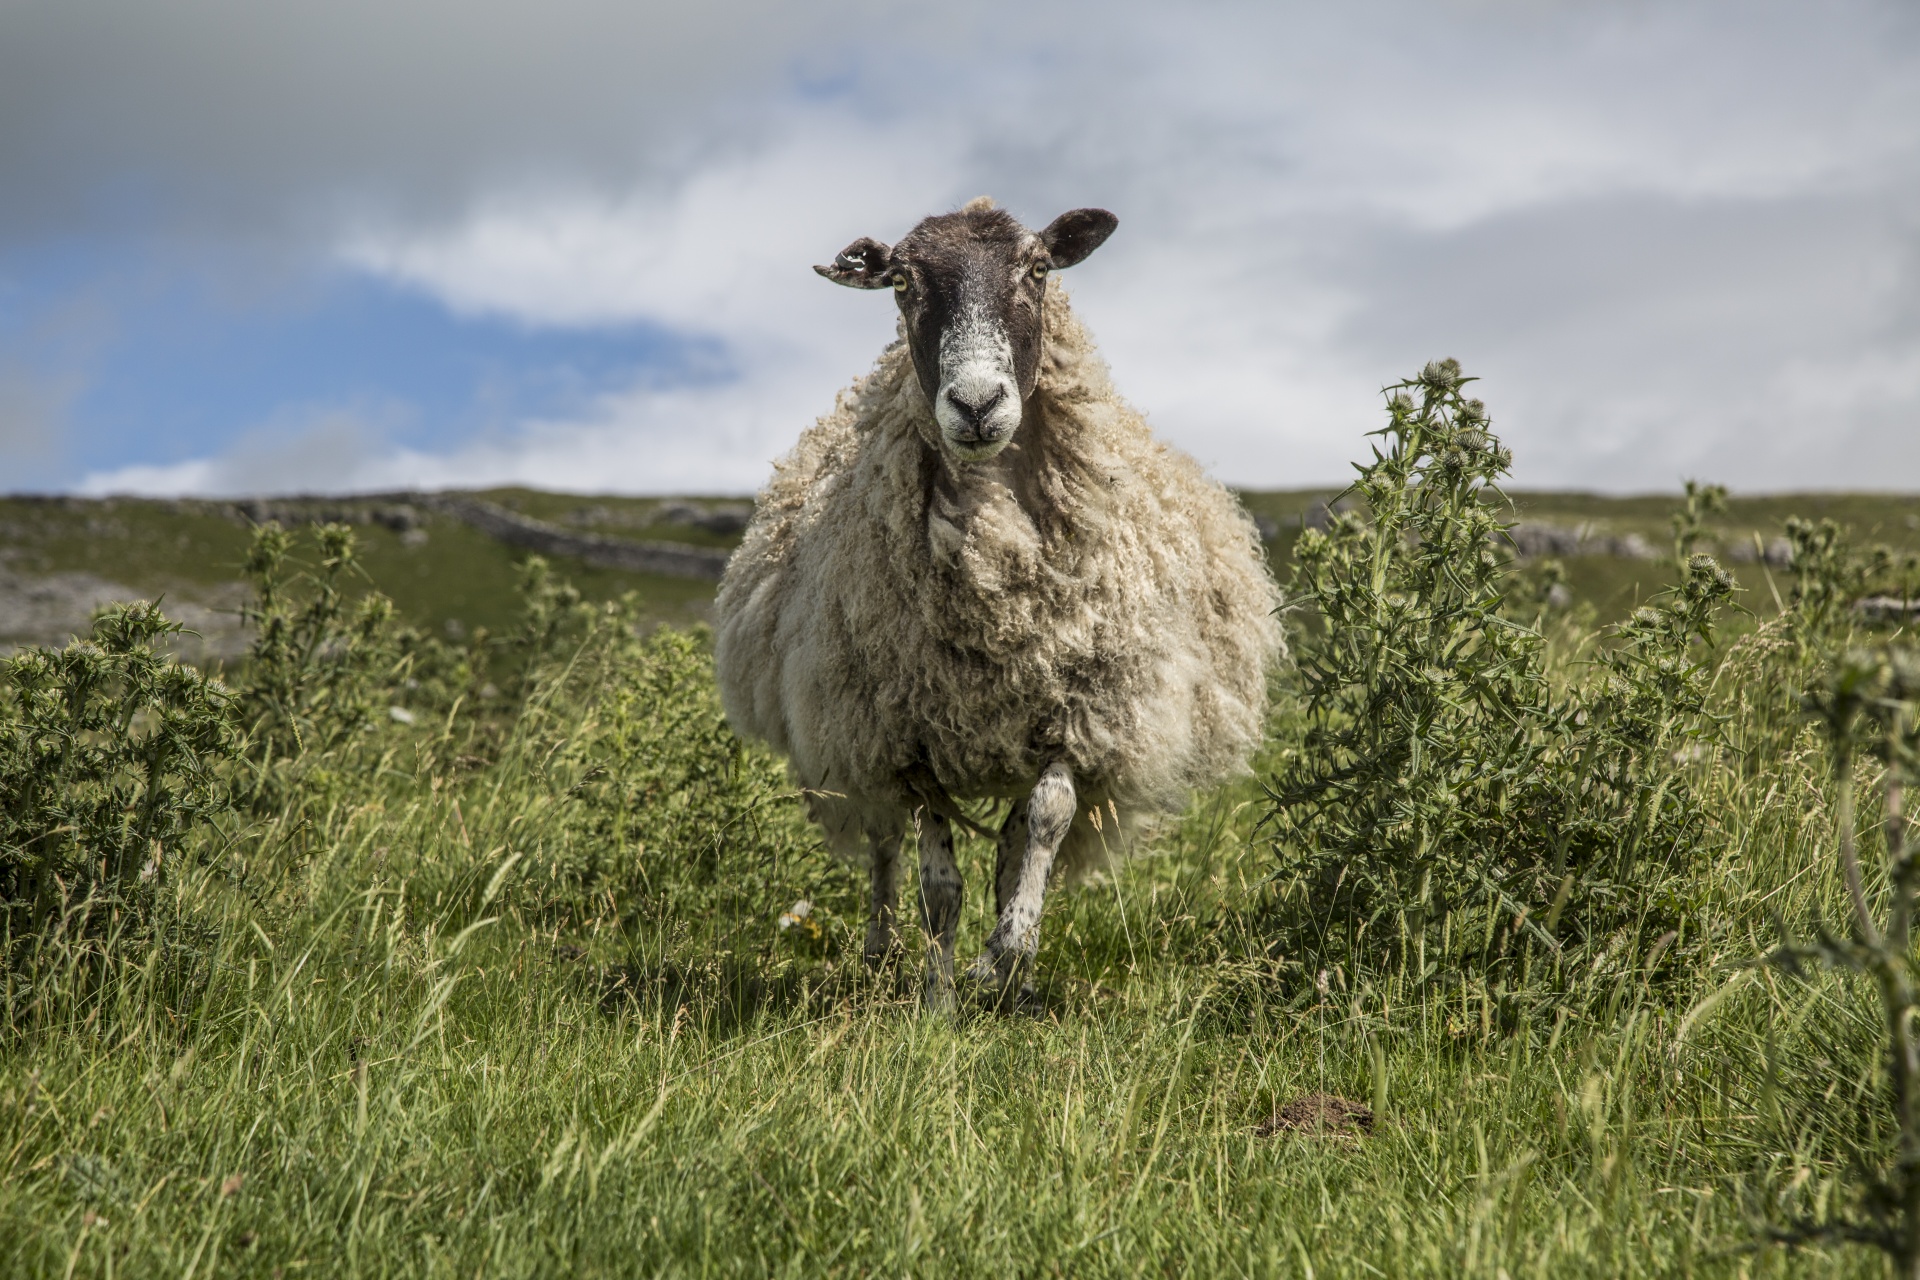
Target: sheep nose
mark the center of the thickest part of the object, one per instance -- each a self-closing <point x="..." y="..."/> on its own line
<point x="975" y="414"/>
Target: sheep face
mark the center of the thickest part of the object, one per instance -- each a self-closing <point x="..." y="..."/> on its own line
<point x="970" y="286"/>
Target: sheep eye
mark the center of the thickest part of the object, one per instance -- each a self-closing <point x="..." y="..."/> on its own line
<point x="1040" y="270"/>
<point x="899" y="284"/>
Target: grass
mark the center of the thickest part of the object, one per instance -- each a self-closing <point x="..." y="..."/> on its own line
<point x="370" y="1064"/>
<point x="503" y="993"/>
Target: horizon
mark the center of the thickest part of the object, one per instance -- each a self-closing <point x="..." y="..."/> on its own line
<point x="733" y="495"/>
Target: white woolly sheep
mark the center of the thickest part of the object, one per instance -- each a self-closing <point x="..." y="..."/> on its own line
<point x="980" y="577"/>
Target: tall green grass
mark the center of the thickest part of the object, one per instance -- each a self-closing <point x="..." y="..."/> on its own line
<point x="499" y="987"/>
<point x="391" y="1068"/>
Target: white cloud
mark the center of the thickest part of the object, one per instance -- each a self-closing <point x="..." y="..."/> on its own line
<point x="726" y="255"/>
<point x="314" y="450"/>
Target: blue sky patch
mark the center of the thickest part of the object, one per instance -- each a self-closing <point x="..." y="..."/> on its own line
<point x="150" y="363"/>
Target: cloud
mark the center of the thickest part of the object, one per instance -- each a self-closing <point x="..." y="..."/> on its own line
<point x="225" y="114"/>
<point x="1628" y="342"/>
<point x="320" y="450"/>
<point x="723" y="256"/>
<point x="1675" y="238"/>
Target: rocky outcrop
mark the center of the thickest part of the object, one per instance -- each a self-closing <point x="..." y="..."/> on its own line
<point x="673" y="559"/>
<point x="1778" y="553"/>
<point x="1888" y="609"/>
<point x="721" y="519"/>
<point x="1532" y="540"/>
<point x="53" y="608"/>
<point x="406" y="513"/>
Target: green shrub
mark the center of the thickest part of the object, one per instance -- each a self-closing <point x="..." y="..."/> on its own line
<point x="110" y="757"/>
<point x="314" y="674"/>
<point x="332" y="677"/>
<point x="553" y="617"/>
<point x="1444" y="801"/>
<point x="664" y="809"/>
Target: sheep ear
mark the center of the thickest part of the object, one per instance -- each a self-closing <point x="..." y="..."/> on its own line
<point x="861" y="265"/>
<point x="1072" y="236"/>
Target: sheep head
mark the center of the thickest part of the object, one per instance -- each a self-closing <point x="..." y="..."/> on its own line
<point x="970" y="287"/>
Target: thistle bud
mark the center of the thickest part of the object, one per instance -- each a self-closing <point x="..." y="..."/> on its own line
<point x="1441" y="375"/>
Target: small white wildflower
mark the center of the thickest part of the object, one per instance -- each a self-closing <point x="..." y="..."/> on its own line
<point x="400" y="714"/>
<point x="794" y="914"/>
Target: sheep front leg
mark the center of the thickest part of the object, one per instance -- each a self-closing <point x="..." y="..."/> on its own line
<point x="1009" y="854"/>
<point x="884" y="880"/>
<point x="1049" y="812"/>
<point x="939" y="909"/>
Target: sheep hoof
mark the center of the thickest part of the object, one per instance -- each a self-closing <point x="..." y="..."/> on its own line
<point x="987" y="971"/>
<point x="998" y="983"/>
<point x="937" y="995"/>
<point x="880" y="952"/>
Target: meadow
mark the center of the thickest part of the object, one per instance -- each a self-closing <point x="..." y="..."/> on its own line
<point x="414" y="950"/>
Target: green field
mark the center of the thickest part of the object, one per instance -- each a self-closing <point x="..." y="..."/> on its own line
<point x="499" y="988"/>
<point x="455" y="581"/>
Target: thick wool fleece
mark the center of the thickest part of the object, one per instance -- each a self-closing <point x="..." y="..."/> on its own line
<point x="1087" y="596"/>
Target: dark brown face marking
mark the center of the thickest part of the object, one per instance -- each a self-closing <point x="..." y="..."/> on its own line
<point x="971" y="286"/>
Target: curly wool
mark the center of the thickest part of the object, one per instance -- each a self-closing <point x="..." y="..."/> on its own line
<point x="1089" y="596"/>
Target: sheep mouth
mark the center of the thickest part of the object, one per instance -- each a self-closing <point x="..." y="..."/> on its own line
<point x="977" y="448"/>
<point x="977" y="415"/>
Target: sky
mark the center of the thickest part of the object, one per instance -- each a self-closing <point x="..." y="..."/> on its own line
<point x="254" y="247"/>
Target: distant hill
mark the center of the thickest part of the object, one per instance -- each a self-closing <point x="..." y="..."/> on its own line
<point x="450" y="569"/>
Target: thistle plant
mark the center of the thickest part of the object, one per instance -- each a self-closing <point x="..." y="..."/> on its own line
<point x="667" y="810"/>
<point x="1630" y="730"/>
<point x="110" y="756"/>
<point x="1445" y="803"/>
<point x="1690" y="522"/>
<point x="1827" y="575"/>
<point x="315" y="673"/>
<point x="555" y="622"/>
<point x="1421" y="698"/>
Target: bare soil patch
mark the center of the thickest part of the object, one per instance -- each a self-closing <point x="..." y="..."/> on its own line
<point x="1319" y="1115"/>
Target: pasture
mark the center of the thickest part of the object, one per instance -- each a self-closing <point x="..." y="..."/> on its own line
<point x="493" y="952"/>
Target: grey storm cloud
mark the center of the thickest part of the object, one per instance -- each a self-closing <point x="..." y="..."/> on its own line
<point x="234" y="112"/>
<point x="1676" y="238"/>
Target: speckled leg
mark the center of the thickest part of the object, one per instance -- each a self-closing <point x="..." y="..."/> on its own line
<point x="939" y="909"/>
<point x="884" y="879"/>
<point x="1049" y="812"/>
<point x="1011" y="852"/>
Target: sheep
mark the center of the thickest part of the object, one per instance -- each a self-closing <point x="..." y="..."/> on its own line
<point x="981" y="578"/>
